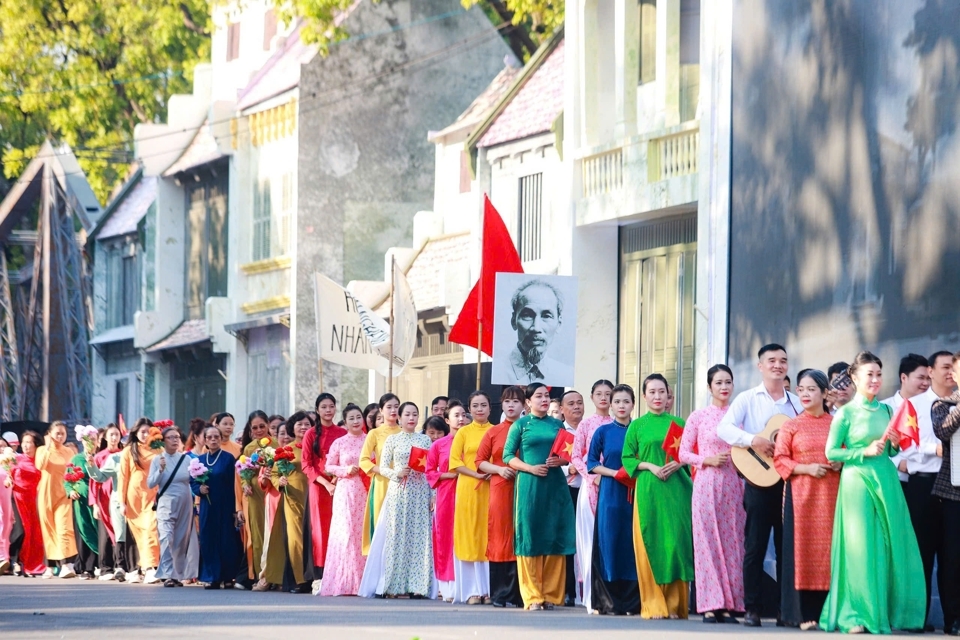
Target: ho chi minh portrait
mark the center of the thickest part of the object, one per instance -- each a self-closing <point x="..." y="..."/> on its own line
<point x="535" y="329"/>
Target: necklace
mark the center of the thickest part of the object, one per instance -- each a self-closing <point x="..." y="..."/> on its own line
<point x="210" y="464"/>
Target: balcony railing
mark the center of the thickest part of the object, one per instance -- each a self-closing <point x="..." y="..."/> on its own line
<point x="602" y="173"/>
<point x="673" y="156"/>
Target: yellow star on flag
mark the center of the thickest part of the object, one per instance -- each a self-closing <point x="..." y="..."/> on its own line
<point x="422" y="462"/>
<point x="676" y="443"/>
<point x="568" y="449"/>
<point x="912" y="423"/>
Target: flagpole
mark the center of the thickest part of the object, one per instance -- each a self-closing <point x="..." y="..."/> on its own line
<point x="483" y="222"/>
<point x="479" y="352"/>
<point x="320" y="374"/>
<point x="393" y="279"/>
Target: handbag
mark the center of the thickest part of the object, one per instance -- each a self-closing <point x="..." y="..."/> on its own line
<point x="166" y="485"/>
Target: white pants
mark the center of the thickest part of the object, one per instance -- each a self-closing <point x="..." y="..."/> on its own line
<point x="470" y="579"/>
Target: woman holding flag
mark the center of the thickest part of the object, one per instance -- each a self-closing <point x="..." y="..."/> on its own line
<point x="544" y="525"/>
<point x="408" y="547"/>
<point x="876" y="574"/>
<point x="662" y="526"/>
<point x="614" y="588"/>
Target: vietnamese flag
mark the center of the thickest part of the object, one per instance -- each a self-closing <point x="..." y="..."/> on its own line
<point x="563" y="445"/>
<point x="671" y="443"/>
<point x="498" y="255"/>
<point x="905" y="423"/>
<point x="418" y="459"/>
<point x="630" y="483"/>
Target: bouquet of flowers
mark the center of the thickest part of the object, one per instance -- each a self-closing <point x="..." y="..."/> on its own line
<point x="264" y="455"/>
<point x="248" y="469"/>
<point x="155" y="437"/>
<point x="284" y="458"/>
<point x="88" y="436"/>
<point x="8" y="459"/>
<point x="199" y="472"/>
<point x="73" y="477"/>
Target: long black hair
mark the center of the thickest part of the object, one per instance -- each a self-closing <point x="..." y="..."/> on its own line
<point x="134" y="443"/>
<point x="318" y="427"/>
<point x="437" y="424"/>
<point x="370" y="408"/>
<point x="247" y="436"/>
<point x="103" y="436"/>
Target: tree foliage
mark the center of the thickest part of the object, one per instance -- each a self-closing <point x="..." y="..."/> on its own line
<point x="85" y="72"/>
<point x="524" y="23"/>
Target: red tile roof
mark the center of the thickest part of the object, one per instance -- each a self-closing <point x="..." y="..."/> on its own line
<point x="534" y="108"/>
<point x="480" y="108"/>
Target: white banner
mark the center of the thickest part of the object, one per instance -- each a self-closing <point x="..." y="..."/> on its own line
<point x="404" y="322"/>
<point x="343" y="329"/>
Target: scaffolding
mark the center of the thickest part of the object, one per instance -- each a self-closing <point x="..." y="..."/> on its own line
<point x="45" y="317"/>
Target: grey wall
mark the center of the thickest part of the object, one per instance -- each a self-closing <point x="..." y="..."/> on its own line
<point x="365" y="165"/>
<point x="845" y="179"/>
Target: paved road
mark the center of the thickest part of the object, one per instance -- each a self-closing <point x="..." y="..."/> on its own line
<point x="34" y="608"/>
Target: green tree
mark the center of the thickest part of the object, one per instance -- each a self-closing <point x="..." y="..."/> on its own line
<point x="525" y="22"/>
<point x="85" y="72"/>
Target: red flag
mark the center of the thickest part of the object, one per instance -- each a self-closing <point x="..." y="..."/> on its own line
<point x="671" y="443"/>
<point x="627" y="481"/>
<point x="905" y="423"/>
<point x="122" y="425"/>
<point x="418" y="459"/>
<point x="563" y="445"/>
<point x="499" y="255"/>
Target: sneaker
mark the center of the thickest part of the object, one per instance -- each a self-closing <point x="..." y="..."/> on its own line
<point x="85" y="576"/>
<point x="120" y="575"/>
<point x="315" y="588"/>
<point x="4" y="567"/>
<point x="106" y="575"/>
<point x="96" y="572"/>
<point x="66" y="571"/>
<point x="262" y="585"/>
<point x="133" y="577"/>
<point x="47" y="574"/>
<point x="151" y="577"/>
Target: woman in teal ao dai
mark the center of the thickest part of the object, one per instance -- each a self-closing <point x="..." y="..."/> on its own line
<point x="876" y="575"/>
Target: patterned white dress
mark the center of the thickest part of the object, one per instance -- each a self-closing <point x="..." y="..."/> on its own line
<point x="408" y="548"/>
<point x="343" y="566"/>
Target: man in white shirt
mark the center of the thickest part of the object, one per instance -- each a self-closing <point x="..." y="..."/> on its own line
<point x="918" y="466"/>
<point x="571" y="412"/>
<point x="747" y="416"/>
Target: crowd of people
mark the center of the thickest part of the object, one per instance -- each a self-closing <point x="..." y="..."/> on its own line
<point x="638" y="515"/>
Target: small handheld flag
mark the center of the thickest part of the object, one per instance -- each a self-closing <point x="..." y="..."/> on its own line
<point x="563" y="445"/>
<point x="630" y="483"/>
<point x="418" y="459"/>
<point x="671" y="443"/>
<point x="905" y="423"/>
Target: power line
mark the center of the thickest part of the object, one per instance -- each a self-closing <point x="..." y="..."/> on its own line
<point x="467" y="44"/>
<point x="152" y="76"/>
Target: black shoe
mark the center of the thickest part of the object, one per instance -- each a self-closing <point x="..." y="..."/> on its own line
<point x="213" y="585"/>
<point x="499" y="605"/>
<point x="751" y="619"/>
<point x="954" y="629"/>
<point x="710" y="618"/>
<point x="726" y="617"/>
<point x="170" y="583"/>
<point x="569" y="602"/>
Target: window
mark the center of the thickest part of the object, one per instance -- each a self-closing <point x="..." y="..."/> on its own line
<point x="206" y="242"/>
<point x="261" y="220"/>
<point x="233" y="41"/>
<point x="465" y="179"/>
<point x="123" y="285"/>
<point x="121" y="397"/>
<point x="286" y="211"/>
<point x="648" y="41"/>
<point x="529" y="217"/>
<point x="689" y="59"/>
<point x="269" y="28"/>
